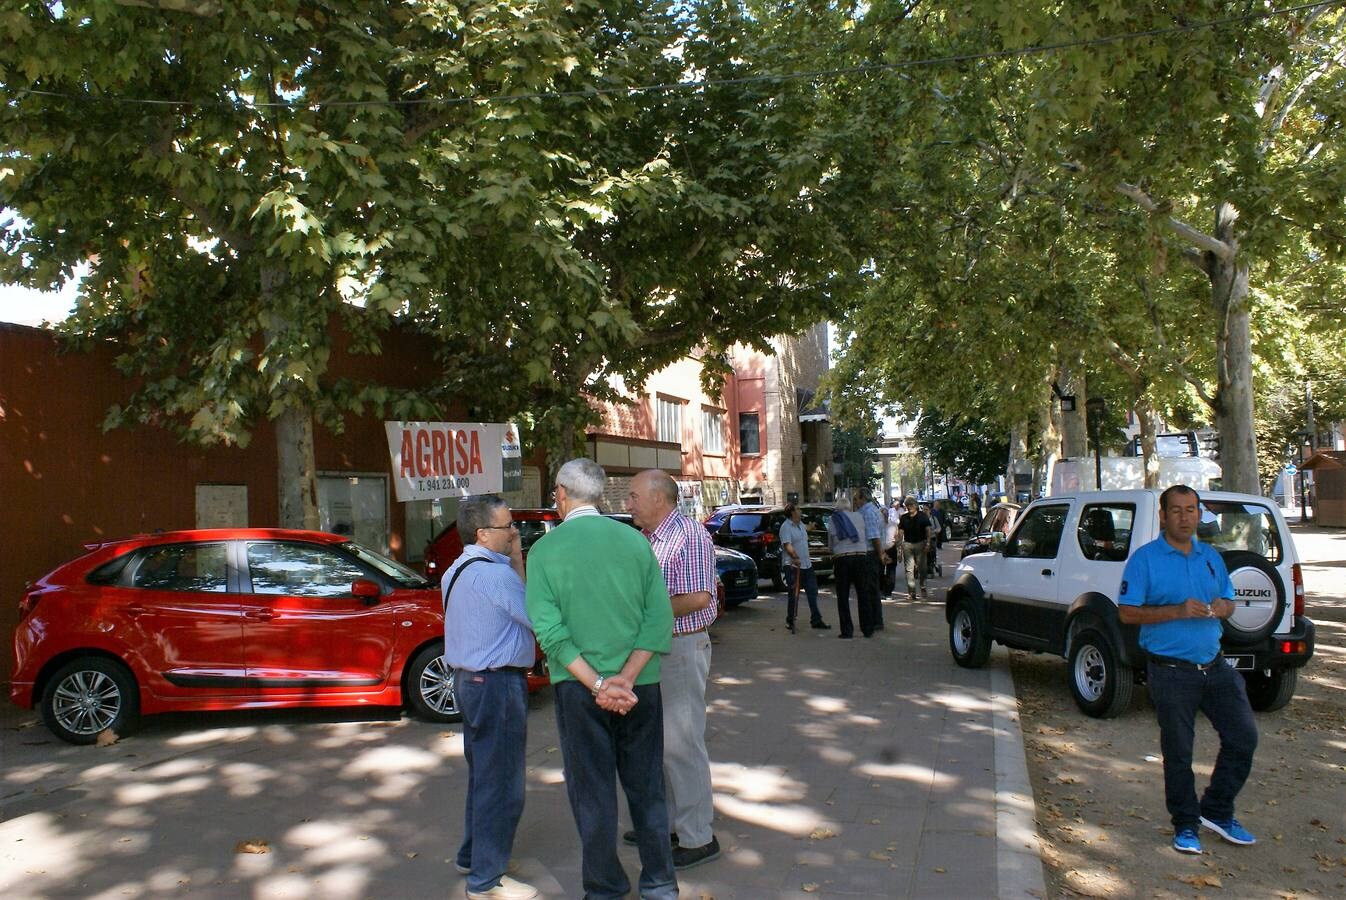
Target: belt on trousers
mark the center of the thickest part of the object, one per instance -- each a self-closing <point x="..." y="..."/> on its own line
<point x="701" y="630"/>
<point x="521" y="670"/>
<point x="1174" y="663"/>
<point x="844" y="555"/>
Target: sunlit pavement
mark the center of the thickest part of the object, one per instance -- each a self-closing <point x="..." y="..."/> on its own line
<point x="860" y="768"/>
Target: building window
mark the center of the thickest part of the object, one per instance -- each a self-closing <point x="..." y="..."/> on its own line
<point x="749" y="441"/>
<point x="712" y="431"/>
<point x="669" y="420"/>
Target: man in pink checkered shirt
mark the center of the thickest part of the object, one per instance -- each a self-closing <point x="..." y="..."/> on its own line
<point x="687" y="558"/>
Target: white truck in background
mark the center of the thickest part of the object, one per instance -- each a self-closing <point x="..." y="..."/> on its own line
<point x="1127" y="472"/>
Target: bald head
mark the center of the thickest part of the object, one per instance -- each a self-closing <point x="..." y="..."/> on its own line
<point x="653" y="495"/>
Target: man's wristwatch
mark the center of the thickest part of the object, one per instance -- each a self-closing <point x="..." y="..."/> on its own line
<point x="598" y="685"/>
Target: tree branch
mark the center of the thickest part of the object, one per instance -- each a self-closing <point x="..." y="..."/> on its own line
<point x="202" y="8"/>
<point x="1279" y="119"/>
<point x="1164" y="350"/>
<point x="1203" y="241"/>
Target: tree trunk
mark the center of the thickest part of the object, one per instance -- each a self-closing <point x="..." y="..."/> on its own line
<point x="1148" y="452"/>
<point x="296" y="471"/>
<point x="1074" y="433"/>
<point x="1050" y="418"/>
<point x="1233" y="359"/>
<point x="297" y="480"/>
<point x="1018" y="454"/>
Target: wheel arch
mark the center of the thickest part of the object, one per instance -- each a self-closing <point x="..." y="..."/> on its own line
<point x="967" y="587"/>
<point x="411" y="655"/>
<point x="1096" y="610"/>
<point x="49" y="668"/>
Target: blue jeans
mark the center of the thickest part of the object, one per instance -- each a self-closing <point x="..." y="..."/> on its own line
<point x="597" y="748"/>
<point x="798" y="579"/>
<point x="495" y="733"/>
<point x="1219" y="693"/>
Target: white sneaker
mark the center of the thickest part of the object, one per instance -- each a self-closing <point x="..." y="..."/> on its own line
<point x="507" y="889"/>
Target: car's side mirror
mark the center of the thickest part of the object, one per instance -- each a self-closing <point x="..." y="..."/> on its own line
<point x="366" y="590"/>
<point x="997" y="541"/>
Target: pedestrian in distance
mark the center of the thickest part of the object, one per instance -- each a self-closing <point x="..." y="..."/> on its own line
<point x="687" y="559"/>
<point x="1178" y="591"/>
<point x="601" y="611"/>
<point x="914" y="528"/>
<point x="871" y="607"/>
<point x="850" y="562"/>
<point x="488" y="640"/>
<point x="799" y="574"/>
<point x="888" y="583"/>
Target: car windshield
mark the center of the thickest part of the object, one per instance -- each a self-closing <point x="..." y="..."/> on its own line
<point x="393" y="569"/>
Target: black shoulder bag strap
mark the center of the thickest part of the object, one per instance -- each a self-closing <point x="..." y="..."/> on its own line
<point x="454" y="579"/>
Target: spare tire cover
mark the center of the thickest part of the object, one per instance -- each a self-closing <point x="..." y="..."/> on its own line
<point x="1259" y="597"/>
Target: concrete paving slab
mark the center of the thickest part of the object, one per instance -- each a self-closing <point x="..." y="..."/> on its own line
<point x="842" y="768"/>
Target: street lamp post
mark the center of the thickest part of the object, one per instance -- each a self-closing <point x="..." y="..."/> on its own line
<point x="1093" y="408"/>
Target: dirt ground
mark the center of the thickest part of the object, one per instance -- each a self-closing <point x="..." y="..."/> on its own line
<point x="1099" y="783"/>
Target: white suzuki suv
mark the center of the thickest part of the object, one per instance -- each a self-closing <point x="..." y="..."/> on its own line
<point x="1051" y="586"/>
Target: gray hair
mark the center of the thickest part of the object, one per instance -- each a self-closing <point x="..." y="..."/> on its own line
<point x="477" y="512"/>
<point x="583" y="479"/>
<point x="662" y="483"/>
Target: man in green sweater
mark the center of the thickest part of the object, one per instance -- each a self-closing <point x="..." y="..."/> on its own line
<point x="601" y="612"/>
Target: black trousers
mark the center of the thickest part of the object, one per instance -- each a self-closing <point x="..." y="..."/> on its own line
<point x="862" y="571"/>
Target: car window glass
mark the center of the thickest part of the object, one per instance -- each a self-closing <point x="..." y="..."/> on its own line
<point x="392" y="568"/>
<point x="1038" y="535"/>
<point x="1104" y="532"/>
<point x="183" y="567"/>
<point x="301" y="570"/>
<point x="529" y="532"/>
<point x="1240" y="526"/>
<point x="745" y="523"/>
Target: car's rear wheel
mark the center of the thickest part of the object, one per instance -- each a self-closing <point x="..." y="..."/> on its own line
<point x="1099" y="681"/>
<point x="1270" y="692"/>
<point x="88" y="696"/>
<point x="431" y="687"/>
<point x="969" y="639"/>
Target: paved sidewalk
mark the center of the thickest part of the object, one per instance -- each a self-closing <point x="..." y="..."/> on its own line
<point x="861" y="768"/>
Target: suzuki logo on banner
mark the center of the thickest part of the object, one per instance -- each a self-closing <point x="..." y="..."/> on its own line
<point x="451" y="459"/>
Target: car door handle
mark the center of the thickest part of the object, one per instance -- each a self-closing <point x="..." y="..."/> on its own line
<point x="1047" y="572"/>
<point x="134" y="610"/>
<point x="262" y="615"/>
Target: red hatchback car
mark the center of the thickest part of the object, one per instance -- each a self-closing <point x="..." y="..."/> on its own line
<point x="227" y="619"/>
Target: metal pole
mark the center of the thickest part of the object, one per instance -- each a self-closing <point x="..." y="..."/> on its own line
<point x="1303" y="507"/>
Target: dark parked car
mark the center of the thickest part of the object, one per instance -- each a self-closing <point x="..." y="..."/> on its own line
<point x="959" y="522"/>
<point x="246" y="618"/>
<point x="737" y="572"/>
<point x="997" y="522"/>
<point x="755" y="530"/>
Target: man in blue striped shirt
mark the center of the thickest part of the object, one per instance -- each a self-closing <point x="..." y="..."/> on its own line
<point x="488" y="640"/>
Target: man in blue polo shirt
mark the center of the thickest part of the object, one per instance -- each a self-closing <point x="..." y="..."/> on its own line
<point x="1178" y="591"/>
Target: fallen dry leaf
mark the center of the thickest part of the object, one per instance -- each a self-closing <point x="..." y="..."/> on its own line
<point x="252" y="847"/>
<point x="1200" y="880"/>
<point x="106" y="738"/>
<point x="940" y="870"/>
<point x="874" y="854"/>
<point x="822" y="834"/>
<point x="808" y="888"/>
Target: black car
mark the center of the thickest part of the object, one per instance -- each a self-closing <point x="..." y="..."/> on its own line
<point x="738" y="574"/>
<point x="755" y="530"/>
<point x="737" y="571"/>
<point x="959" y="522"/>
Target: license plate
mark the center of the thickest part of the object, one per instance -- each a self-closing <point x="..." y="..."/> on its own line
<point x="1241" y="661"/>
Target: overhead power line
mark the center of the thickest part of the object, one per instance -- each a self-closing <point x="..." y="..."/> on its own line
<point x="699" y="84"/>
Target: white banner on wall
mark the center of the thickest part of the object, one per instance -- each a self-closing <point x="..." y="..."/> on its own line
<point x="451" y="459"/>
